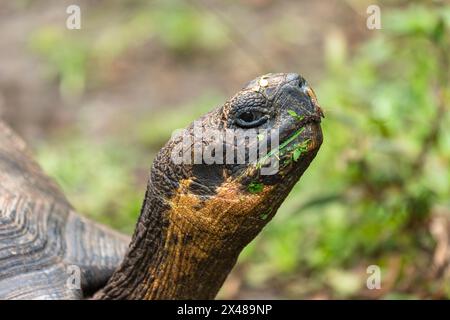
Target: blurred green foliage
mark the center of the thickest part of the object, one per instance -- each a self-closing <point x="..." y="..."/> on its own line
<point x="67" y="59"/>
<point x="110" y="195"/>
<point x="151" y="130"/>
<point x="75" y="57"/>
<point x="367" y="199"/>
<point x="369" y="193"/>
<point x="374" y="197"/>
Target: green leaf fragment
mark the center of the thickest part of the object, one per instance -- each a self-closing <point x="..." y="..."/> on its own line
<point x="294" y="114"/>
<point x="297" y="153"/>
<point x="275" y="152"/>
<point x="299" y="150"/>
<point x="264" y="216"/>
<point x="255" y="187"/>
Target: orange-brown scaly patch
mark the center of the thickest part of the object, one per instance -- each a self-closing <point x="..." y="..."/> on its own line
<point x="220" y="214"/>
<point x="201" y="229"/>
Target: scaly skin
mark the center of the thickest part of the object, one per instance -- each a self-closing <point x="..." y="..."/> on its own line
<point x="196" y="219"/>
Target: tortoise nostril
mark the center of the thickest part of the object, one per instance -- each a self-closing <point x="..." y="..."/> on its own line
<point x="302" y="83"/>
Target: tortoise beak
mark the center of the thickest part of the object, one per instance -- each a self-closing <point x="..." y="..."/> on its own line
<point x="312" y="95"/>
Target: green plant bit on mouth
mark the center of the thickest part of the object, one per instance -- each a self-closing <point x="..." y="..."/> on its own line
<point x="255" y="187"/>
<point x="294" y="114"/>
<point x="299" y="150"/>
<point x="280" y="148"/>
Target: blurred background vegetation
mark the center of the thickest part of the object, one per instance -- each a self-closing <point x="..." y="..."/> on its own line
<point x="96" y="104"/>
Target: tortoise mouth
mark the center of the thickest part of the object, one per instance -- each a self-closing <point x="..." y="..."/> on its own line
<point x="313" y="133"/>
<point x="305" y="139"/>
<point x="307" y="131"/>
<point x="300" y="142"/>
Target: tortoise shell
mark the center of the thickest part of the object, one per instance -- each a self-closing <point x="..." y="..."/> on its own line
<point x="44" y="244"/>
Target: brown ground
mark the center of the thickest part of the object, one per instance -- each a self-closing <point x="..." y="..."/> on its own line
<point x="148" y="76"/>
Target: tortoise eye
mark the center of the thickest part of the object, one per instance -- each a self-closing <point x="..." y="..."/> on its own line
<point x="250" y="119"/>
<point x="247" y="116"/>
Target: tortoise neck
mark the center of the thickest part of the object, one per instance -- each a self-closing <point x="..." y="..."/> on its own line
<point x="169" y="258"/>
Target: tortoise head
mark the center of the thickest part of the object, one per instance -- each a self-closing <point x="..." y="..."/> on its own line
<point x="215" y="185"/>
<point x="230" y="170"/>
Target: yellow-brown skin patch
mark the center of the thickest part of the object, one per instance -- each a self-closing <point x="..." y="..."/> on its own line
<point x="200" y="230"/>
<point x="221" y="214"/>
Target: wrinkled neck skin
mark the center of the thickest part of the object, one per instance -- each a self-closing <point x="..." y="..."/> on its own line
<point x="170" y="257"/>
<point x="185" y="245"/>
